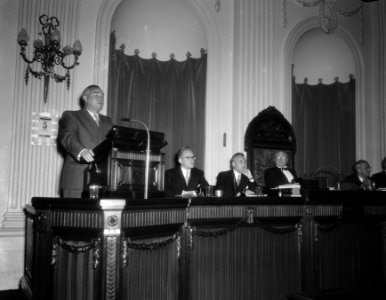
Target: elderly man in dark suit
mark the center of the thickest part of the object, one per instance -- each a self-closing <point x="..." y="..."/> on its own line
<point x="237" y="181"/>
<point x="360" y="179"/>
<point x="379" y="179"/>
<point x="184" y="178"/>
<point x="80" y="131"/>
<point x="280" y="174"/>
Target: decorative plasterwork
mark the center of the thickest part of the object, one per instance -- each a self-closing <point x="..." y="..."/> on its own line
<point x="217" y="6"/>
<point x="328" y="14"/>
<point x="102" y="42"/>
<point x="284" y="13"/>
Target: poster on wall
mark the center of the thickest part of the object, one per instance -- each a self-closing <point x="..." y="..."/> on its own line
<point x="44" y="130"/>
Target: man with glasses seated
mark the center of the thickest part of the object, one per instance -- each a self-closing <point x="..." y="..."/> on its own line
<point x="184" y="179"/>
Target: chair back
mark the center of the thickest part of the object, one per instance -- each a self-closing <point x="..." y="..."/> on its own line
<point x="268" y="133"/>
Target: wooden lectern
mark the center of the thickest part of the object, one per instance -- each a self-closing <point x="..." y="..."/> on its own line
<point x="119" y="167"/>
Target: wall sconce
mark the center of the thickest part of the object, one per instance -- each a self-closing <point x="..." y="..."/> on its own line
<point x="47" y="52"/>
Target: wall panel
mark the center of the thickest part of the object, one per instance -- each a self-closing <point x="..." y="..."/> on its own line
<point x="35" y="169"/>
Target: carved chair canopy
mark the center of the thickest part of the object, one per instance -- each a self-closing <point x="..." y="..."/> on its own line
<point x="266" y="134"/>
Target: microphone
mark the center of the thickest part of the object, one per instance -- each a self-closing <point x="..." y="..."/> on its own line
<point x="147" y="152"/>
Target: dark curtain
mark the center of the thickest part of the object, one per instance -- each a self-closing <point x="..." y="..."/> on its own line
<point x="169" y="96"/>
<point x="324" y="122"/>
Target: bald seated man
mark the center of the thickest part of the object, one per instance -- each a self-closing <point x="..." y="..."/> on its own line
<point x="238" y="181"/>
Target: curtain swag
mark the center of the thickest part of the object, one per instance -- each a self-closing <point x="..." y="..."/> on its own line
<point x="154" y="54"/>
<point x="169" y="96"/>
<point x="324" y="121"/>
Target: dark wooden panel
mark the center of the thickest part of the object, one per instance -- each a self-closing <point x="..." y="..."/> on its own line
<point x="151" y="274"/>
<point x="348" y="255"/>
<point x="74" y="276"/>
<point x="77" y="219"/>
<point x="247" y="263"/>
<point x="146" y="218"/>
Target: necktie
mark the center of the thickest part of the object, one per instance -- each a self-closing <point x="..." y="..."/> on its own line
<point x="238" y="179"/>
<point x="96" y="118"/>
<point x="187" y="177"/>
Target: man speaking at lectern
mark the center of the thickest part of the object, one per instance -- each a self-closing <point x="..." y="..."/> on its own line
<point x="79" y="132"/>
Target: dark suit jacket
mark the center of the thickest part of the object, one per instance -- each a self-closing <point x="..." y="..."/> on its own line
<point x="351" y="182"/>
<point x="175" y="181"/>
<point x="379" y="179"/>
<point x="226" y="182"/>
<point x="274" y="177"/>
<point x="78" y="131"/>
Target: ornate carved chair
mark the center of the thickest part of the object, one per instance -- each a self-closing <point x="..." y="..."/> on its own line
<point x="266" y="134"/>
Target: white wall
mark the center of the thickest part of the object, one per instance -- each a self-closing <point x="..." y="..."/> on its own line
<point x="8" y="52"/>
<point x="163" y="26"/>
<point x="11" y="244"/>
<point x="318" y="55"/>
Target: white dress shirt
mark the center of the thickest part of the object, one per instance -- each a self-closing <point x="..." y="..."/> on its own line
<point x="287" y="174"/>
<point x="185" y="174"/>
<point x="237" y="176"/>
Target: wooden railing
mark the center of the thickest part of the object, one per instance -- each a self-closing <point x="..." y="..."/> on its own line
<point x="203" y="248"/>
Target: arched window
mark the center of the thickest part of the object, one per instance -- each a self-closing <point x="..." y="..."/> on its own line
<point x="323" y="108"/>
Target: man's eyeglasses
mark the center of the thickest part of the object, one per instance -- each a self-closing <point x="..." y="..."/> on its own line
<point x="190" y="157"/>
<point x="97" y="95"/>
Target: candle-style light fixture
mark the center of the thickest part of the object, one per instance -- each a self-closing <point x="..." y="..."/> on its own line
<point x="47" y="52"/>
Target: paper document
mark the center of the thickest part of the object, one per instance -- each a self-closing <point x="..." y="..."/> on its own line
<point x="289" y="186"/>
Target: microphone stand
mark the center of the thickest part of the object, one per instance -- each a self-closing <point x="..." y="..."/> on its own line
<point x="147" y="163"/>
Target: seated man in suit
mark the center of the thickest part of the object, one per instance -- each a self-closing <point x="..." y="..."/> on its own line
<point x="379" y="179"/>
<point x="280" y="174"/>
<point x="360" y="179"/>
<point x="237" y="181"/>
<point x="184" y="177"/>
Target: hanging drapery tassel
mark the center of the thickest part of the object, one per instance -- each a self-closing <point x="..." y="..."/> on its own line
<point x="320" y="80"/>
<point x="153" y="54"/>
